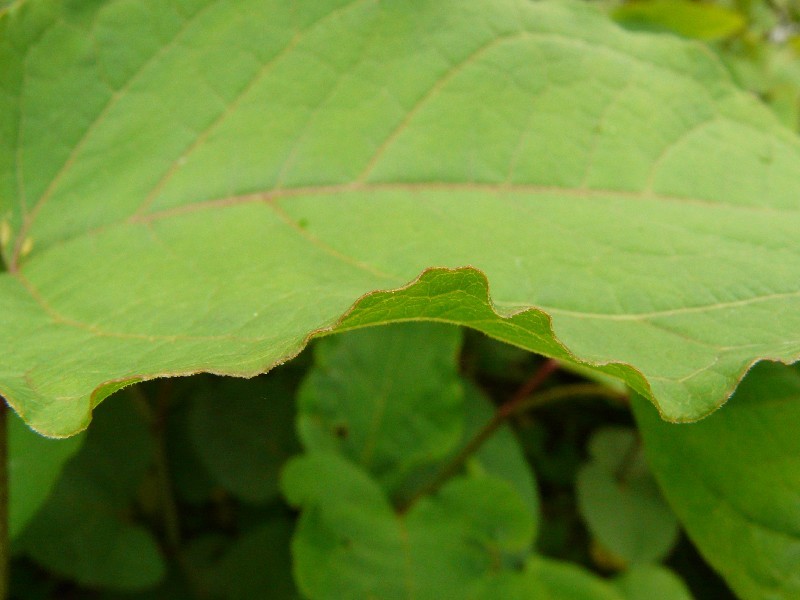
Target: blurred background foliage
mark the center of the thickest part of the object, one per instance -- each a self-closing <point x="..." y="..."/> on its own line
<point x="758" y="40"/>
<point x="352" y="455"/>
<point x="351" y="458"/>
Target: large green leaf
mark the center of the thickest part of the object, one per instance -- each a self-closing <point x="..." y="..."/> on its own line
<point x="734" y="481"/>
<point x="199" y="185"/>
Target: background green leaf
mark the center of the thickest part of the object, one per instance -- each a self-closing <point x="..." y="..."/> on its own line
<point x="566" y="581"/>
<point x="192" y="482"/>
<point x="699" y="20"/>
<point x="620" y="500"/>
<point x="392" y="404"/>
<point x="646" y="582"/>
<point x="350" y="543"/>
<point x="500" y="456"/>
<point x="390" y="400"/>
<point x="199" y="186"/>
<point x="733" y="479"/>
<point x="243" y="432"/>
<point x="34" y="466"/>
<point x="258" y="565"/>
<point x="84" y="530"/>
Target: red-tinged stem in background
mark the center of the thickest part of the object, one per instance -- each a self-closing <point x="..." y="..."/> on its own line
<point x="502" y="414"/>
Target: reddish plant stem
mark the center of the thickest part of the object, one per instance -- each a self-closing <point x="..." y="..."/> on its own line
<point x="533" y="383"/>
<point x="501" y="415"/>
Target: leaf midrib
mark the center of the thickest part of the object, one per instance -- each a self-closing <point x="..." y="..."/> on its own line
<point x="271" y="199"/>
<point x="502" y="188"/>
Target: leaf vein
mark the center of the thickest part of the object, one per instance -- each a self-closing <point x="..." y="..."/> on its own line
<point x="203" y="136"/>
<point x="102" y="115"/>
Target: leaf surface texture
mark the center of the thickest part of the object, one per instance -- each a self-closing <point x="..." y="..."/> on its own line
<point x="201" y="185"/>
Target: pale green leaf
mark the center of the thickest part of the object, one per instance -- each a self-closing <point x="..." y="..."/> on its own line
<point x="734" y="481"/>
<point x="198" y="185"/>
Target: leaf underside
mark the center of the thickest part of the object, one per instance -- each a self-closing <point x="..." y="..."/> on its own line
<point x="198" y="185"/>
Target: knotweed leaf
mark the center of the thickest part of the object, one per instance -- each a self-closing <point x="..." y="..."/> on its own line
<point x="200" y="185"/>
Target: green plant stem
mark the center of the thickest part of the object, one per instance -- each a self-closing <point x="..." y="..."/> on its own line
<point x="169" y="507"/>
<point x="502" y="414"/>
<point x="566" y="392"/>
<point x="4" y="495"/>
<point x="156" y="413"/>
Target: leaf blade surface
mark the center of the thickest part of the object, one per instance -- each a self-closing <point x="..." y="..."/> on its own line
<point x="207" y="197"/>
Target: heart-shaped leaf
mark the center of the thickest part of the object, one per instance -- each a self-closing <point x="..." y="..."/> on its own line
<point x="257" y="565"/>
<point x="391" y="401"/>
<point x="201" y="185"/>
<point x="350" y="544"/>
<point x="620" y="501"/>
<point x="567" y="581"/>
